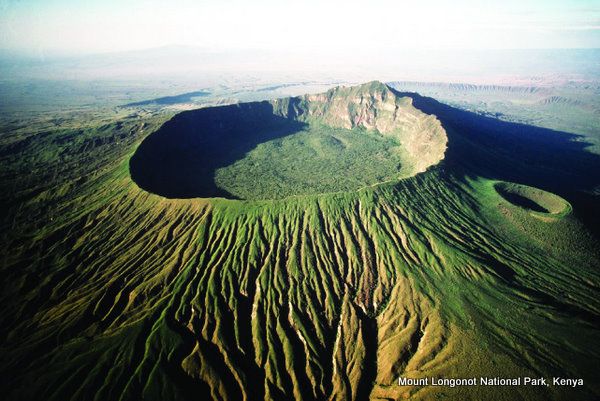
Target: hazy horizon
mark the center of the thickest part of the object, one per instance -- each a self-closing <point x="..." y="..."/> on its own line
<point x="181" y="46"/>
<point x="67" y="27"/>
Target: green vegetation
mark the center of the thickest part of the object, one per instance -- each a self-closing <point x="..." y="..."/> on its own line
<point x="315" y="160"/>
<point x="113" y="292"/>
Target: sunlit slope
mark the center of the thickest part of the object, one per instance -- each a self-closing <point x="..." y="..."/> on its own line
<point x="329" y="296"/>
<point x="325" y="297"/>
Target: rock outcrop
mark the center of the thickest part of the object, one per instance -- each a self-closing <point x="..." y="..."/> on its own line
<point x="373" y="106"/>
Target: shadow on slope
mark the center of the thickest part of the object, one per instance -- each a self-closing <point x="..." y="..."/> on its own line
<point x="552" y="160"/>
<point x="180" y="159"/>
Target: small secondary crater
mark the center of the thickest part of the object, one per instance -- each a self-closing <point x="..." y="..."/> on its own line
<point x="533" y="199"/>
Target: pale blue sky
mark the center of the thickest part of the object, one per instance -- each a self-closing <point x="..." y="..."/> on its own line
<point x="89" y="26"/>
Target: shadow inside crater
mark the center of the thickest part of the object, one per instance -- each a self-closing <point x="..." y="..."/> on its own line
<point x="181" y="158"/>
<point x="522" y="201"/>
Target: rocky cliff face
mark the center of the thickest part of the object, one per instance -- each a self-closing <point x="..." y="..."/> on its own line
<point x="373" y="106"/>
<point x="370" y="106"/>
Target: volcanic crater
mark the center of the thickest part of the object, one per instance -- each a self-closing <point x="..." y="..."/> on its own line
<point x="341" y="140"/>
